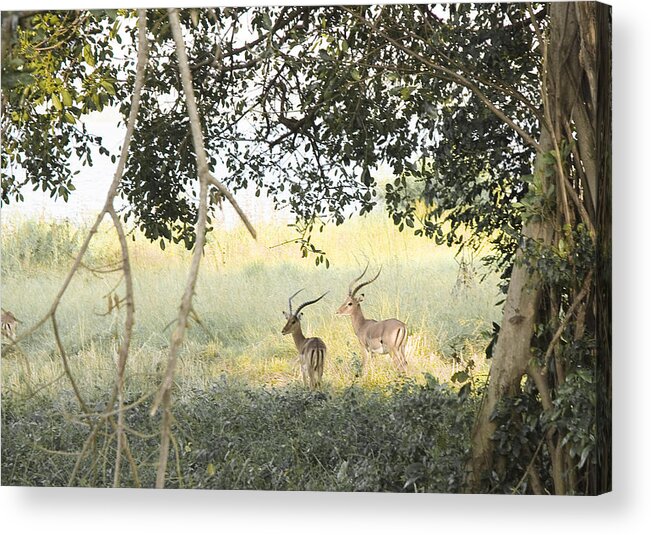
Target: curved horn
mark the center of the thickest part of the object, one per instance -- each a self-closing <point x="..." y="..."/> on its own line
<point x="365" y="283"/>
<point x="298" y="310"/>
<point x="292" y="297"/>
<point x="350" y="286"/>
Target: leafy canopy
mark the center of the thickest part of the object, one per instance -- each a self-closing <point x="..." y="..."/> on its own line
<point x="302" y="104"/>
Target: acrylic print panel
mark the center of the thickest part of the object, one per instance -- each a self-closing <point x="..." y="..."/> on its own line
<point x="308" y="248"/>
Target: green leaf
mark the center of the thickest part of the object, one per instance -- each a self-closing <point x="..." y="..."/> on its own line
<point x="561" y="246"/>
<point x="210" y="469"/>
<point x="67" y="98"/>
<point x="108" y="86"/>
<point x="460" y="377"/>
<point x="56" y="102"/>
<point x="406" y="92"/>
<point x="464" y="392"/>
<point x="88" y="56"/>
<point x="584" y="455"/>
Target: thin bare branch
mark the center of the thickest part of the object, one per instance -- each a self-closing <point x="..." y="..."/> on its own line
<point x="84" y="449"/>
<point x="195" y="317"/>
<point x="164" y="396"/>
<point x="66" y="366"/>
<point x="570" y="311"/>
<point x="529" y="468"/>
<point x="123" y="351"/>
<point x="223" y="190"/>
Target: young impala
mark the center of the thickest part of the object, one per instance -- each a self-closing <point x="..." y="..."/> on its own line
<point x="311" y="351"/>
<point x="386" y="336"/>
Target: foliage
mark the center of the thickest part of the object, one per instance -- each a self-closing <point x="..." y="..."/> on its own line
<point x="518" y="435"/>
<point x="305" y="112"/>
<point x="235" y="437"/>
<point x="62" y="69"/>
<point x="521" y="429"/>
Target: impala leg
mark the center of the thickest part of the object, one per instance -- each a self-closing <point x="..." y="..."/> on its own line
<point x="399" y="360"/>
<point x="365" y="360"/>
<point x="402" y="363"/>
<point x="314" y="378"/>
<point x="304" y="375"/>
<point x="395" y="357"/>
<point x="319" y="371"/>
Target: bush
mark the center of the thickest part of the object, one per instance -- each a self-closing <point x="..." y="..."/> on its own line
<point x="409" y="438"/>
<point x="30" y="244"/>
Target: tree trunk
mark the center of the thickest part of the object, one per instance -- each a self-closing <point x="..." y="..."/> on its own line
<point x="577" y="52"/>
<point x="513" y="348"/>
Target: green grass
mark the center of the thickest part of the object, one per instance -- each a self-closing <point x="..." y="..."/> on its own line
<point x="241" y="293"/>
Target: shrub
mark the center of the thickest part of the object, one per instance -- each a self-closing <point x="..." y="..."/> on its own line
<point x="412" y="437"/>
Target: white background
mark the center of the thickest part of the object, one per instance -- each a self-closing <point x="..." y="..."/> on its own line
<point x="626" y="510"/>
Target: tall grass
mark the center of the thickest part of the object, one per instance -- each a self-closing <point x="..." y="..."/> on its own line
<point x="243" y="419"/>
<point x="241" y="293"/>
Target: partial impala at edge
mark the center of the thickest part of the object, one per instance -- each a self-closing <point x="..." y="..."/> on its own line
<point x="9" y="322"/>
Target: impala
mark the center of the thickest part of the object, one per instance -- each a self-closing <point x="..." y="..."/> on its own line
<point x="311" y="351"/>
<point x="386" y="336"/>
<point x="9" y="322"/>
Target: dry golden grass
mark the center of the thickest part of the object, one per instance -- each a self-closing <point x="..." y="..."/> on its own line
<point x="241" y="293"/>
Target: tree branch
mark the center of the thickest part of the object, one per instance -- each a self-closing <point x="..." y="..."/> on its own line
<point x="570" y="311"/>
<point x="123" y="351"/>
<point x="164" y="396"/>
<point x="223" y="190"/>
<point x="455" y="76"/>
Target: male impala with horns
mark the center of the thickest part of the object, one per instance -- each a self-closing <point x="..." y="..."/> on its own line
<point x="386" y="336"/>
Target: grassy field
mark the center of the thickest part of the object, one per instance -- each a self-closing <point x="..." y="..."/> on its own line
<point x="241" y="294"/>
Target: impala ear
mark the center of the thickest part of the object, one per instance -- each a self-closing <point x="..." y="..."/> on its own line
<point x="360" y="298"/>
<point x="286" y="315"/>
<point x="300" y="316"/>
